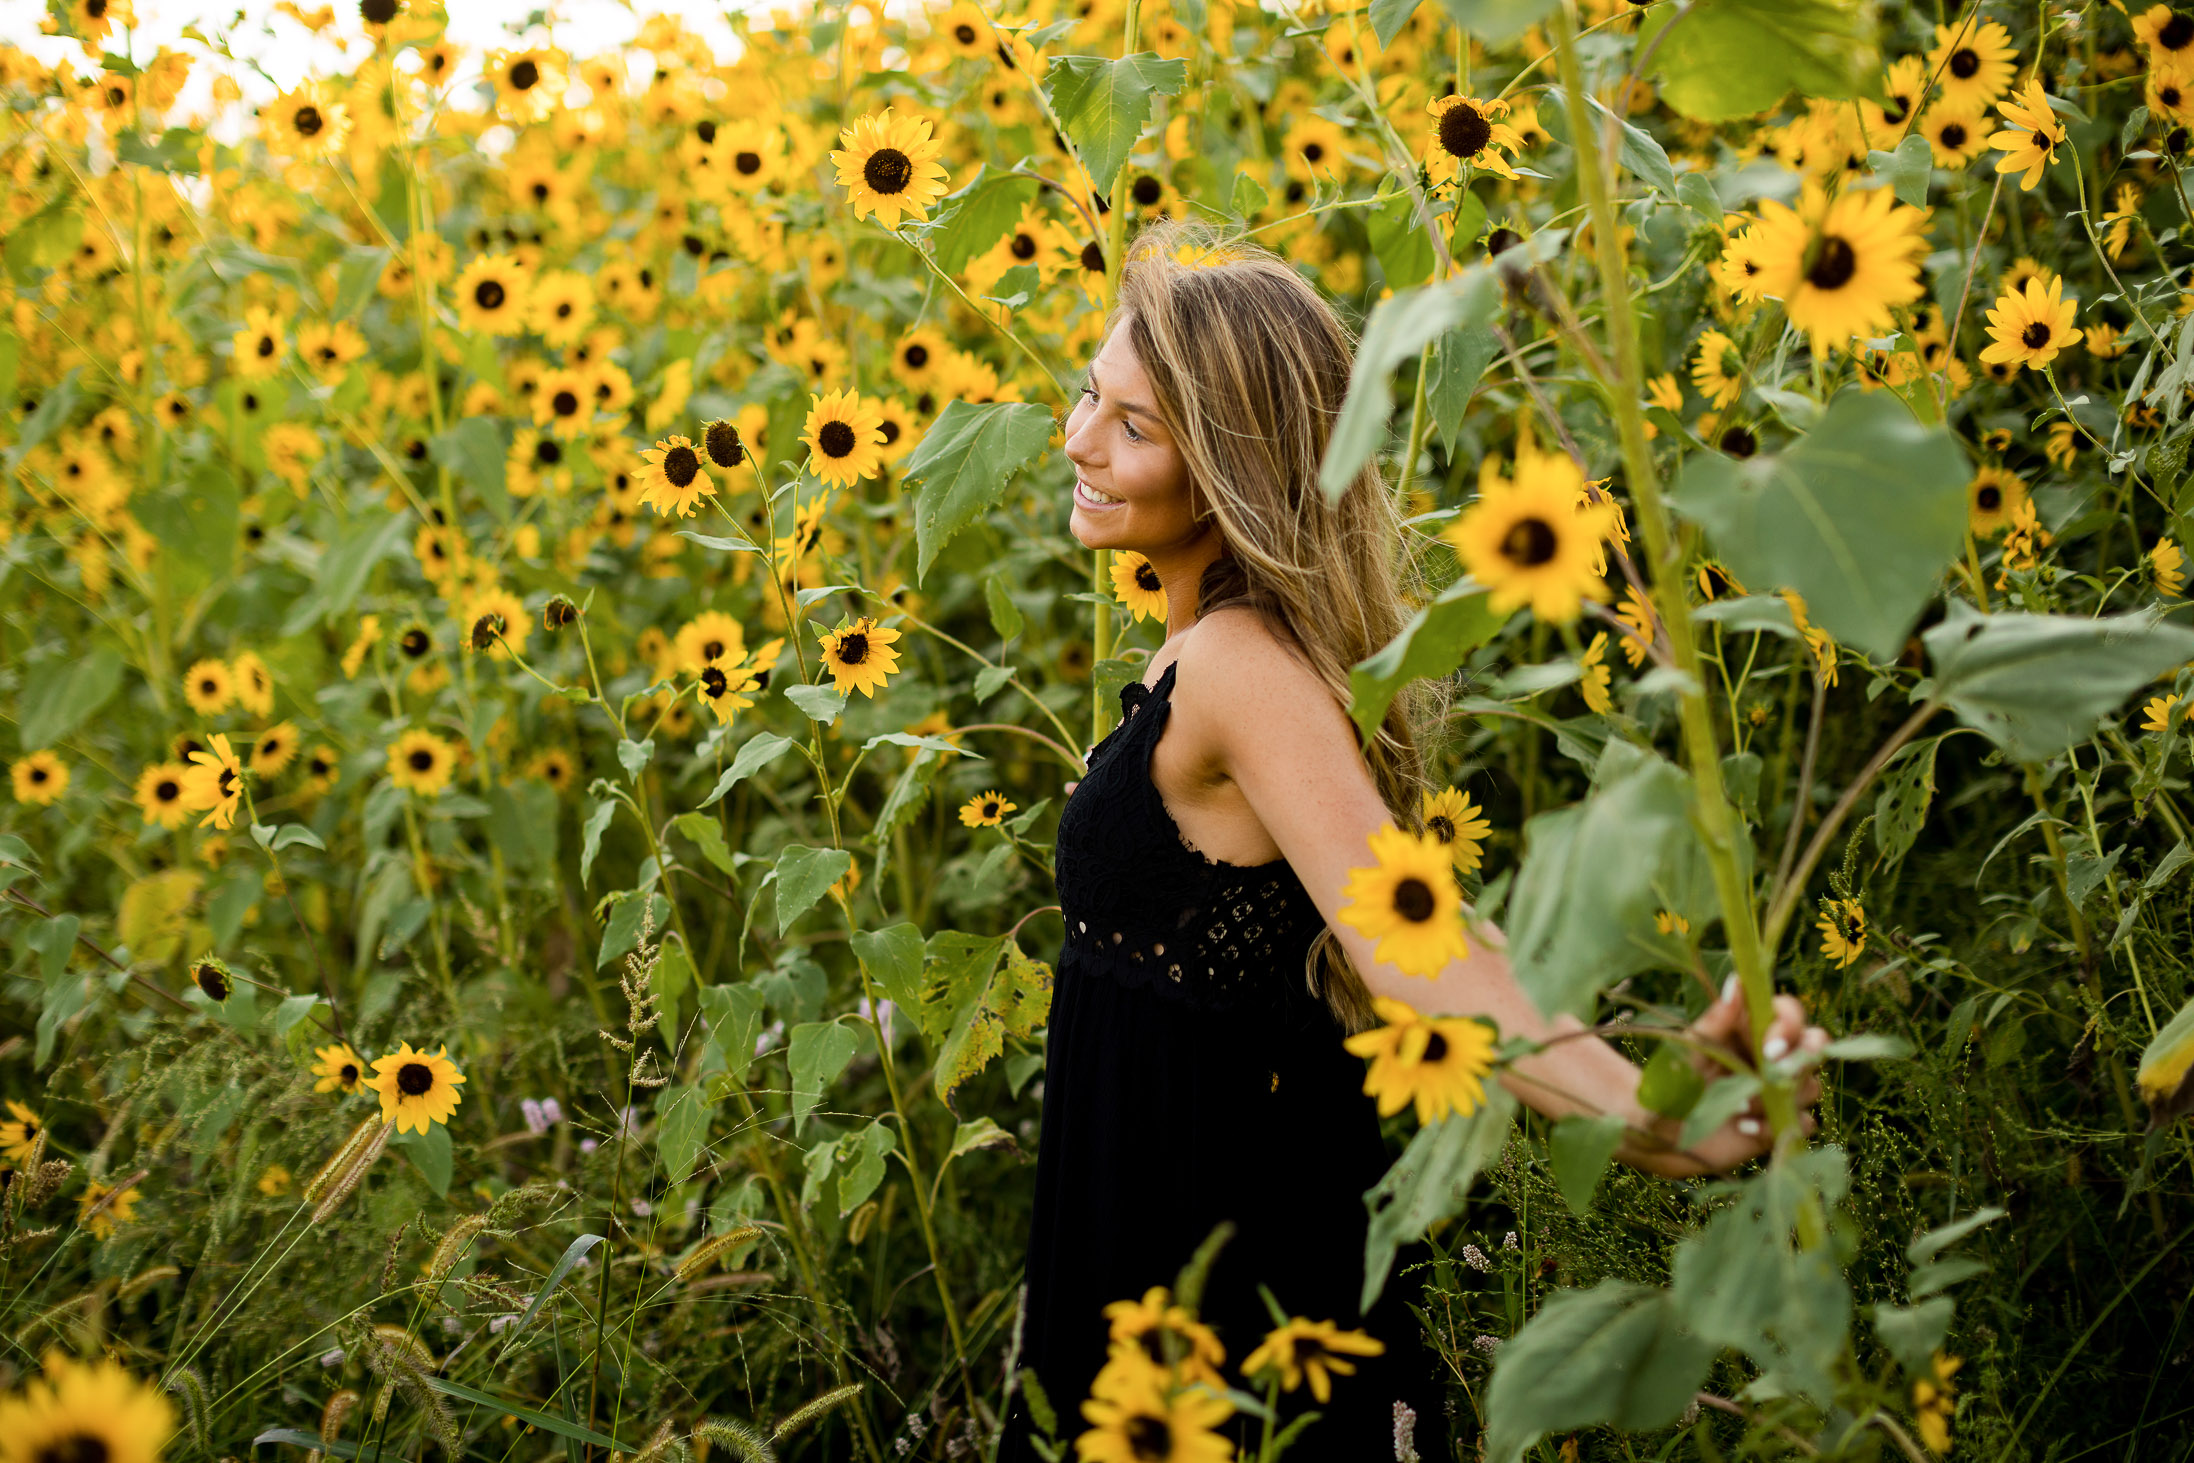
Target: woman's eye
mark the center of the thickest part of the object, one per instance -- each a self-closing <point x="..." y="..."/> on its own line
<point x="1132" y="434"/>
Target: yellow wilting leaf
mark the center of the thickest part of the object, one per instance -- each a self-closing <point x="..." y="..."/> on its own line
<point x="151" y="919"/>
<point x="2166" y="1073"/>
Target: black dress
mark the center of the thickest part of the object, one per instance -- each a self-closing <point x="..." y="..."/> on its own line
<point x="1190" y="1077"/>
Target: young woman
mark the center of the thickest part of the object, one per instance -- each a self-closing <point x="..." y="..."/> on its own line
<point x="1195" y="1067"/>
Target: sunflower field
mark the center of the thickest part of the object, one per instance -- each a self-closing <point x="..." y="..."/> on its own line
<point x="541" y="657"/>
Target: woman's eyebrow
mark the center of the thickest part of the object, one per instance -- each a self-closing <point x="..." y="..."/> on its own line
<point x="1136" y="407"/>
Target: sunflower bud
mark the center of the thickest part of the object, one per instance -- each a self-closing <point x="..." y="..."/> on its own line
<point x="214" y="978"/>
<point x="721" y="439"/>
<point x="485" y="631"/>
<point x="558" y="612"/>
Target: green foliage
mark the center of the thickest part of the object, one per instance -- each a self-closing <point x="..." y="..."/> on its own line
<point x="2034" y="684"/>
<point x="1723" y="59"/>
<point x="1617" y="1354"/>
<point x="964" y="463"/>
<point x="1104" y="104"/>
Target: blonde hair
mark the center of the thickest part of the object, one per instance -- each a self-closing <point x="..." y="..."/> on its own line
<point x="1250" y="366"/>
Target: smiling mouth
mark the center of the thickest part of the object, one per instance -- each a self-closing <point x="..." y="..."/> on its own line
<point x="1090" y="495"/>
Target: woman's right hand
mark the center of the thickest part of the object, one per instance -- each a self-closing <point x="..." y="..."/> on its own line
<point x="1746" y="1136"/>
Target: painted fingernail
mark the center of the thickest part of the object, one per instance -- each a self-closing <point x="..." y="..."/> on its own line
<point x="1750" y="1127"/>
<point x="1775" y="1048"/>
<point x="1729" y="989"/>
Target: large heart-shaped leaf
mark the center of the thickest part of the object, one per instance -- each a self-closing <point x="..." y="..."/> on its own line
<point x="2035" y="684"/>
<point x="964" y="462"/>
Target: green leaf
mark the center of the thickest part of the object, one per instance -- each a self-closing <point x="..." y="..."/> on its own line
<point x="1670" y="1085"/>
<point x="1935" y="1241"/>
<point x="1746" y="1280"/>
<point x="893" y="958"/>
<point x="964" y="462"/>
<point x="804" y="875"/>
<point x="819" y="1051"/>
<point x="175" y="152"/>
<point x="1725" y="59"/>
<point x="1861" y="517"/>
<point x="1403" y="247"/>
<point x="197" y="526"/>
<point x="816" y="703"/>
<point x="1497" y="22"/>
<point x="1614" y="1355"/>
<point x="2166" y="1074"/>
<point x="547" y="1422"/>
<point x="978" y="216"/>
<point x="293" y="834"/>
<point x="634" y="756"/>
<point x="1430" y="1181"/>
<point x="1594" y="875"/>
<point x="979" y="1133"/>
<point x="565" y="1263"/>
<point x="622" y="936"/>
<point x="1437" y="639"/>
<point x="1249" y="197"/>
<point x="1644" y="157"/>
<point x="63" y="693"/>
<point x="1459" y="363"/>
<point x="429" y="1152"/>
<point x="1914" y="1333"/>
<point x="1871" y="1046"/>
<point x="758" y="753"/>
<point x="1005" y="615"/>
<point x="1580" y="1150"/>
<point x="1906" y="170"/>
<point x="1399" y="327"/>
<point x="590" y="842"/>
<point x="704" y="833"/>
<point x="681" y="1127"/>
<point x="734" y="1015"/>
<point x="1104" y="104"/>
<point x="861" y="1164"/>
<point x="474" y="452"/>
<point x="343" y="571"/>
<point x="2035" y="684"/>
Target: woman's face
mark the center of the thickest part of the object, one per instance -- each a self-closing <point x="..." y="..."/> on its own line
<point x="1132" y="488"/>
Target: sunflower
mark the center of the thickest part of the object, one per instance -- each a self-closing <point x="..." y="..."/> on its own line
<point x="1530" y="541"/>
<point x="2030" y="143"/>
<point x="369" y="635"/>
<point x="421" y="762"/>
<point x="1718" y="370"/>
<point x="214" y="783"/>
<point x="673" y="479"/>
<point x="1934" y="1400"/>
<point x="1137" y="1416"/>
<point x="553" y="767"/>
<point x="1454" y="820"/>
<point x="1314" y="149"/>
<point x="257" y="350"/>
<point x="1136" y="583"/>
<point x="338" y="1069"/>
<point x="492" y="296"/>
<point x="1310" y="1349"/>
<point x="2031" y="325"/>
<point x="859" y="656"/>
<point x="322" y="767"/>
<point x="254" y="685"/>
<point x="1956" y="137"/>
<point x="1143" y="1327"/>
<point x="901" y="429"/>
<point x="1991" y="498"/>
<point x="274" y="749"/>
<point x="1843" y="930"/>
<point x="720" y="439"/>
<point x="844" y="434"/>
<point x="213" y="977"/>
<point x="1407" y="902"/>
<point x="723" y="687"/>
<point x="416" y="1089"/>
<point x="2156" y="713"/>
<point x="528" y="84"/>
<point x="40" y="778"/>
<point x="1437" y="1062"/>
<point x="963" y="30"/>
<point x="754" y="154"/>
<point x="304" y="123"/>
<point x="101" y="1210"/>
<point x="1598" y="676"/>
<point x="560" y="307"/>
<point x="1467" y="132"/>
<point x="1840" y="267"/>
<point x="563" y="402"/>
<point x="2167" y="37"/>
<point x="1972" y="63"/>
<point x="91" y="19"/>
<point x="2167" y="562"/>
<point x="890" y="167"/>
<point x="496" y="623"/>
<point x="986" y="810"/>
<point x="709" y="636"/>
<point x="19" y="1133"/>
<point x="85" y="1410"/>
<point x="919" y="358"/>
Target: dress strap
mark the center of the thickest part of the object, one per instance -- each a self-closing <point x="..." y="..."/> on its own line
<point x="1135" y="693"/>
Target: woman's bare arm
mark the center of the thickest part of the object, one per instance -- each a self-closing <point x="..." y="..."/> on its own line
<point x="1243" y="701"/>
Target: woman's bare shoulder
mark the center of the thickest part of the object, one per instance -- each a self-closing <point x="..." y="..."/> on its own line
<point x="1237" y="658"/>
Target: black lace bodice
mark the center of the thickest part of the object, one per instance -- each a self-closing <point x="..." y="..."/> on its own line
<point x="1145" y="909"/>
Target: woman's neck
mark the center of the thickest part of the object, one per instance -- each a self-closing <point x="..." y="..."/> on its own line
<point x="1180" y="570"/>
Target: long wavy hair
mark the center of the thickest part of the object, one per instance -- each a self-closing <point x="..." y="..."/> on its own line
<point x="1250" y="366"/>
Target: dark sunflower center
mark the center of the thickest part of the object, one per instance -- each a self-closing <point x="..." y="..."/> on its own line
<point x="1146" y="578"/>
<point x="1435" y="1050"/>
<point x="525" y="76"/>
<point x="488" y="294"/>
<point x="747" y="162"/>
<point x="1149" y="1437"/>
<point x="853" y="648"/>
<point x="415" y="1079"/>
<point x="1739" y="442"/>
<point x="990" y="808"/>
<point x="1146" y="190"/>
<point x="2035" y="336"/>
<point x="96" y="9"/>
<point x="890" y="429"/>
<point x="214" y="981"/>
<point x="227" y="783"/>
<point x="377" y="12"/>
<point x="1441" y="827"/>
<point x="964" y="34"/>
<point x="414" y="643"/>
<point x="1093" y="258"/>
<point x="421" y="760"/>
<point x="713" y="682"/>
<point x="888" y="170"/>
<point x="836" y="439"/>
<point x="349" y="1074"/>
<point x="681" y="465"/>
<point x="270" y="746"/>
<point x="39" y="774"/>
<point x="1989" y="498"/>
<point x="72" y="1447"/>
<point x="2177" y="33"/>
<point x="1953" y="136"/>
<point x="266" y="346"/>
<point x="1531" y="542"/>
<point x="1835" y="266"/>
<point x="1463" y="131"/>
<point x="547" y="452"/>
<point x="564" y="403"/>
<point x="1023" y="247"/>
<point x="166" y="790"/>
<point x="1413" y="900"/>
<point x="1314" y="152"/>
<point x="308" y="122"/>
<point x="916" y="357"/>
<point x="1897" y="108"/>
